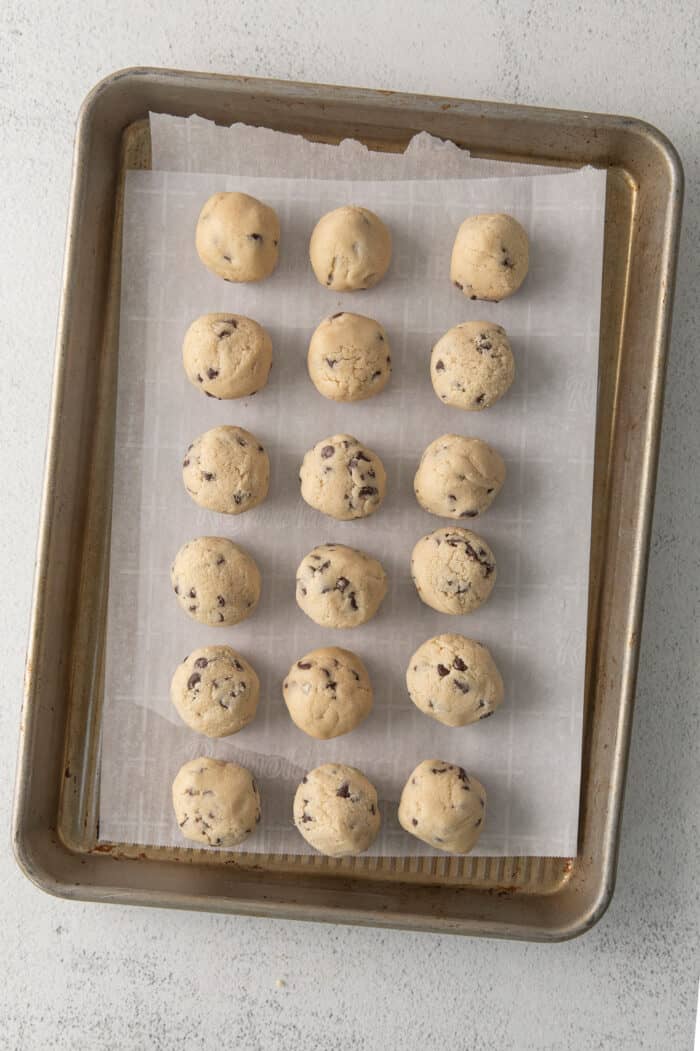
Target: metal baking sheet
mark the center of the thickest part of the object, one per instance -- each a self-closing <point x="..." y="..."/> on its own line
<point x="55" y="831"/>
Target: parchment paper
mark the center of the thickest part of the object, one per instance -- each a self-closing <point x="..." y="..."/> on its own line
<point x="528" y="755"/>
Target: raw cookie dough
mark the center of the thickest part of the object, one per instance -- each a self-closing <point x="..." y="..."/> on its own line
<point x="442" y="805"/>
<point x="339" y="587"/>
<point x="215" y="803"/>
<point x="215" y="691"/>
<point x="227" y="355"/>
<point x="226" y="469"/>
<point x="458" y="477"/>
<point x="489" y="257"/>
<point x="215" y="581"/>
<point x="349" y="358"/>
<point x="454" y="570"/>
<point x="336" y="810"/>
<point x="454" y="680"/>
<point x="350" y="249"/>
<point x="328" y="692"/>
<point x="237" y="237"/>
<point x="472" y="365"/>
<point x="342" y="478"/>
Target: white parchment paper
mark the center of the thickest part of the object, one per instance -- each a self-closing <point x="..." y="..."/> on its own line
<point x="528" y="755"/>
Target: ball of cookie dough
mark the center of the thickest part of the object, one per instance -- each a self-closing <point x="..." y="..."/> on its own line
<point x="472" y="365"/>
<point x="458" y="477"/>
<point x="454" y="570"/>
<point x="339" y="587"/>
<point x="442" y="805"/>
<point x="342" y="478"/>
<point x="489" y="257"/>
<point x="215" y="691"/>
<point x="215" y="803"/>
<point x="350" y="249"/>
<point x="227" y="355"/>
<point x="238" y="237"/>
<point x="226" y="469"/>
<point x="349" y="358"/>
<point x="328" y="692"/>
<point x="215" y="581"/>
<point x="336" y="810"/>
<point x="454" y="680"/>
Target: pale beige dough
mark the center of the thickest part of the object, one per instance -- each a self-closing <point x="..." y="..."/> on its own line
<point x="349" y="358"/>
<point x="472" y="365"/>
<point x="454" y="570"/>
<point x="226" y="469"/>
<point x="216" y="804"/>
<point x="216" y="582"/>
<point x="215" y="691"/>
<point x="238" y="237"/>
<point x="342" y="478"/>
<point x="340" y="587"/>
<point x="489" y="257"/>
<point x="454" y="680"/>
<point x="350" y="249"/>
<point x="336" y="810"/>
<point x="444" y="806"/>
<point x="227" y="355"/>
<point x="328" y="692"/>
<point x="458" y="477"/>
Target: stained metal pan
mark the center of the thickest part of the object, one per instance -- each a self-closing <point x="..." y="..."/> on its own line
<point x="55" y="826"/>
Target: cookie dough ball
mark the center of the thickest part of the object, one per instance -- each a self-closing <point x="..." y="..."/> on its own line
<point x="458" y="477"/>
<point x="442" y="805"/>
<point x="339" y="587"/>
<point x="238" y="237"/>
<point x="215" y="581"/>
<point x="215" y="803"/>
<point x="328" y="692"/>
<point x="343" y="478"/>
<point x="454" y="570"/>
<point x="350" y="249"/>
<point x="336" y="810"/>
<point x="349" y="358"/>
<point x="226" y="469"/>
<point x="472" y="365"/>
<point x="454" y="680"/>
<point x="489" y="257"/>
<point x="227" y="355"/>
<point x="215" y="691"/>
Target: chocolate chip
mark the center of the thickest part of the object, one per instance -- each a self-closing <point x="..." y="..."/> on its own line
<point x="344" y="791"/>
<point x="241" y="441"/>
<point x="334" y="316"/>
<point x="186" y="462"/>
<point x="442" y="670"/>
<point x="439" y="769"/>
<point x="201" y="662"/>
<point x="479" y="400"/>
<point x="460" y="287"/>
<point x="238" y="665"/>
<point x="255" y="237"/>
<point x="472" y="297"/>
<point x="192" y="609"/>
<point x="468" y="514"/>
<point x="306" y="817"/>
<point x="331" y="685"/>
<point x="200" y="379"/>
<point x="192" y="593"/>
<point x="304" y="779"/>
<point x="208" y="476"/>
<point x="220" y="560"/>
<point x="414" y="821"/>
<point x="238" y="499"/>
<point x="439" y="365"/>
<point x="372" y="808"/>
<point x="477" y="822"/>
<point x="304" y="665"/>
<point x="327" y="451"/>
<point x="212" y="373"/>
<point x="459" y="664"/>
<point x="331" y="362"/>
<point x="193" y="680"/>
<point x="221" y="618"/>
<point x="221" y="600"/>
<point x="485" y="715"/>
<point x="368" y="490"/>
<point x="227" y="258"/>
<point x="353" y="600"/>
<point x="462" y="686"/>
<point x="226" y="706"/>
<point x="375" y="374"/>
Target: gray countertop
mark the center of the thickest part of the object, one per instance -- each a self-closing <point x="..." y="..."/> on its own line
<point x="84" y="976"/>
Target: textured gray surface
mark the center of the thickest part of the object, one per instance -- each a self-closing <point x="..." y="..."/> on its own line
<point x="79" y="976"/>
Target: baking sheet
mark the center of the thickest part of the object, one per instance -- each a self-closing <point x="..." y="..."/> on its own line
<point x="528" y="755"/>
